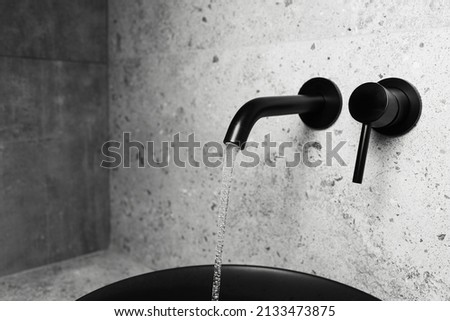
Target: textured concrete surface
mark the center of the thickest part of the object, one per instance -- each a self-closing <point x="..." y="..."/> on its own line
<point x="69" y="280"/>
<point x="187" y="66"/>
<point x="54" y="200"/>
<point x="54" y="29"/>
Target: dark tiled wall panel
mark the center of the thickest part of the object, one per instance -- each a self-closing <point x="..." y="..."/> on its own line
<point x="54" y="199"/>
<point x="54" y="29"/>
<point x="54" y="196"/>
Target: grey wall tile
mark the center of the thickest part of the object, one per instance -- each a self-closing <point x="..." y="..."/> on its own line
<point x="45" y="99"/>
<point x="54" y="29"/>
<point x="78" y="196"/>
<point x="54" y="120"/>
<point x="23" y="218"/>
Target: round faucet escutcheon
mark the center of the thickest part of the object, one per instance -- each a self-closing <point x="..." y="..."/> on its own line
<point x="332" y="106"/>
<point x="391" y="107"/>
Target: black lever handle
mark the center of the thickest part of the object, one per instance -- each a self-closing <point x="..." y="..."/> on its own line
<point x="391" y="107"/>
<point x="362" y="153"/>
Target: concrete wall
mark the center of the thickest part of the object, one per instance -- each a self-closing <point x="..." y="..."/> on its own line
<point x="187" y="66"/>
<point x="54" y="201"/>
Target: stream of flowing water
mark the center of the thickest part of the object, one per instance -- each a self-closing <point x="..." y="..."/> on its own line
<point x="227" y="175"/>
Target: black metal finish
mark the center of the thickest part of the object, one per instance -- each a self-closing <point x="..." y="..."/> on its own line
<point x="362" y="154"/>
<point x="318" y="103"/>
<point x="326" y="116"/>
<point x="239" y="282"/>
<point x="409" y="98"/>
<point x="391" y="107"/>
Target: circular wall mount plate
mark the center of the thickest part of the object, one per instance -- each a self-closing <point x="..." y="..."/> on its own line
<point x="413" y="112"/>
<point x="333" y="102"/>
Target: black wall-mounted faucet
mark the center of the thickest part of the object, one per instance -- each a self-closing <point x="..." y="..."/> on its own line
<point x="391" y="107"/>
<point x="318" y="103"/>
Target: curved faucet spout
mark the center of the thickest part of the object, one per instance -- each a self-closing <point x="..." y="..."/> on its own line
<point x="250" y="112"/>
<point x="318" y="103"/>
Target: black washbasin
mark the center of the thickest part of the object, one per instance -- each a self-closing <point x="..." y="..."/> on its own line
<point x="239" y="283"/>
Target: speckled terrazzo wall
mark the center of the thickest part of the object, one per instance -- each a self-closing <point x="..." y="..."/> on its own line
<point x="187" y="66"/>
